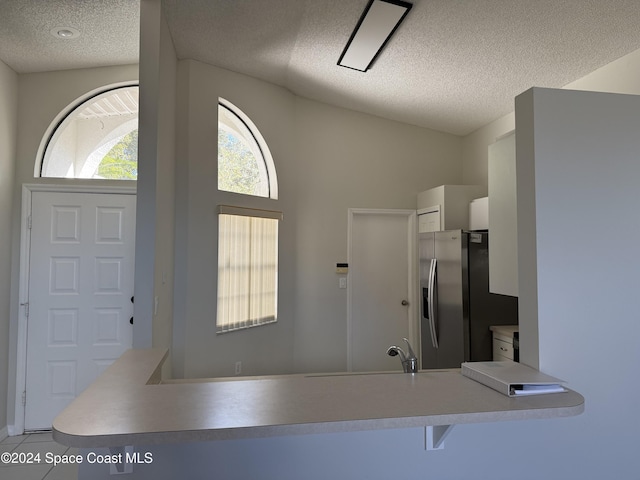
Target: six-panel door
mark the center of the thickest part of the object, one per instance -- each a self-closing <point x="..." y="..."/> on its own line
<point x="81" y="271"/>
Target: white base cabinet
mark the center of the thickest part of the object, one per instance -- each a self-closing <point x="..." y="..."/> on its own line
<point x="503" y="342"/>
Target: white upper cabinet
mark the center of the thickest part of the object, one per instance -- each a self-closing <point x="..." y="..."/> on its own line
<point x="429" y="220"/>
<point x="503" y="224"/>
<point x="452" y="204"/>
<point x="479" y="214"/>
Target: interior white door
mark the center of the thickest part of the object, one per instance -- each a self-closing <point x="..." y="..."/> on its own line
<point x="381" y="310"/>
<point x="81" y="272"/>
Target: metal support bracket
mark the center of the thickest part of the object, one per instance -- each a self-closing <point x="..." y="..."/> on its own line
<point x="124" y="454"/>
<point x="434" y="436"/>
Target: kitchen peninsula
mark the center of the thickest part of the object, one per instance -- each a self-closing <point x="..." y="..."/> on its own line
<point x="129" y="405"/>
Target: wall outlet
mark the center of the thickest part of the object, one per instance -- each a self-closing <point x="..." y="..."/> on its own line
<point x="342" y="283"/>
<point x="238" y="368"/>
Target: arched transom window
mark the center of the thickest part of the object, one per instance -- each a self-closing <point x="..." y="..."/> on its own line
<point x="98" y="138"/>
<point x="245" y="164"/>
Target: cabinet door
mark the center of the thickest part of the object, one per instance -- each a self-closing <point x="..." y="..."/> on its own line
<point x="429" y="222"/>
<point x="503" y="220"/>
<point x="502" y="349"/>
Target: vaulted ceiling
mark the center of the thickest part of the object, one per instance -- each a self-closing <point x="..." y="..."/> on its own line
<point x="452" y="66"/>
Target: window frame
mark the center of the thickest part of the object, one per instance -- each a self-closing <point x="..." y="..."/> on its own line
<point x="263" y="148"/>
<point x="62" y="118"/>
<point x="236" y="324"/>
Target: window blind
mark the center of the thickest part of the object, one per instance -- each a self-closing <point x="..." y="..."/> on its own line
<point x="247" y="268"/>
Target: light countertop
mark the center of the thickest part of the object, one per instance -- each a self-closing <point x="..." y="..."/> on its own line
<point x="127" y="405"/>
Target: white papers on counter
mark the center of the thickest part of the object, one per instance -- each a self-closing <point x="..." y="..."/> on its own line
<point x="512" y="378"/>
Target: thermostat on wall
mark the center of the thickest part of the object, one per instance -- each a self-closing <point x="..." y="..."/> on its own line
<point x="342" y="268"/>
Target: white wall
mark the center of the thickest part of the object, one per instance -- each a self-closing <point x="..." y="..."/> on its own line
<point x="475" y="149"/>
<point x="578" y="153"/>
<point x="40" y="98"/>
<point x="165" y="201"/>
<point x="348" y="159"/>
<point x="501" y="451"/>
<point x="197" y="350"/>
<point x="327" y="160"/>
<point x="8" y="121"/>
<point x="619" y="76"/>
<point x="155" y="224"/>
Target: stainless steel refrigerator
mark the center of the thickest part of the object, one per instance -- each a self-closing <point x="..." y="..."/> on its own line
<point x="457" y="308"/>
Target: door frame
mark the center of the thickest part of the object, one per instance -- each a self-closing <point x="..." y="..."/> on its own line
<point x="412" y="270"/>
<point x="23" y="289"/>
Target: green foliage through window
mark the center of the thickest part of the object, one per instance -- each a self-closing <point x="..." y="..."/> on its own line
<point x="244" y="161"/>
<point x="237" y="166"/>
<point x="121" y="162"/>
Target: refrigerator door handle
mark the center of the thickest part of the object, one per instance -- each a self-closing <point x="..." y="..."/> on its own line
<point x="432" y="299"/>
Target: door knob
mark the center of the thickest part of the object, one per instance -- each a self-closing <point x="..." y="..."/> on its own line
<point x="405" y="303"/>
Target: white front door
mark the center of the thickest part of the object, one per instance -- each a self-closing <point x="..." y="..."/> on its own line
<point x="381" y="287"/>
<point x="81" y="270"/>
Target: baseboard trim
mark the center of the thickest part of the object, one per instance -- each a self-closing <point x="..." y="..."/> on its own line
<point x="4" y="433"/>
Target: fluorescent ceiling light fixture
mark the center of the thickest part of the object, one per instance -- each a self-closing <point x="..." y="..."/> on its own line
<point x="378" y="23"/>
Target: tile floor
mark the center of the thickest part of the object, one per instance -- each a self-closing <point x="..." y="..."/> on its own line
<point x="35" y="443"/>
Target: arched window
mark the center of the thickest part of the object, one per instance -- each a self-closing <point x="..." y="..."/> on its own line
<point x="97" y="138"/>
<point x="245" y="164"/>
<point x="247" y="238"/>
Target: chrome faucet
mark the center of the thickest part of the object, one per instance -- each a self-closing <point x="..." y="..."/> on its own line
<point x="409" y="362"/>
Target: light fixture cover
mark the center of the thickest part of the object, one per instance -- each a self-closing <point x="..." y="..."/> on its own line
<point x="377" y="24"/>
<point x="65" y="33"/>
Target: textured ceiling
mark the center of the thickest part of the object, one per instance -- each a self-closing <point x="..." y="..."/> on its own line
<point x="454" y="65"/>
<point x="109" y="34"/>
